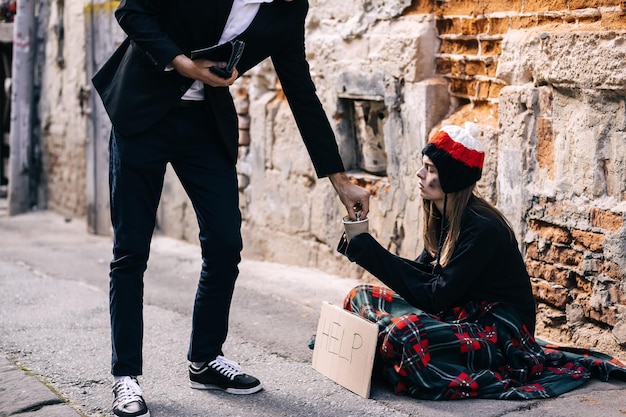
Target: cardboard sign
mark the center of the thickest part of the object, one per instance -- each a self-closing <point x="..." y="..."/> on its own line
<point x="344" y="350"/>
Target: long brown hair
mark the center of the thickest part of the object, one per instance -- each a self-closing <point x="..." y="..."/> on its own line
<point x="454" y="207"/>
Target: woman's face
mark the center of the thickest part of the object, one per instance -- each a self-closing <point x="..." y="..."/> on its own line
<point x="430" y="188"/>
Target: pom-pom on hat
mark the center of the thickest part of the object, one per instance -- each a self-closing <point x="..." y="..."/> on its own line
<point x="458" y="157"/>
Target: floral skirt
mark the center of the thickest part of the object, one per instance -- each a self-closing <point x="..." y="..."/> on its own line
<point x="480" y="350"/>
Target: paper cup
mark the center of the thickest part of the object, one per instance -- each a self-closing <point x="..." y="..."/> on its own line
<point x="354" y="227"/>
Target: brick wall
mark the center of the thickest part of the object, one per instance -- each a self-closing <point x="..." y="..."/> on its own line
<point x="471" y="34"/>
<point x="573" y="236"/>
<point x="566" y="255"/>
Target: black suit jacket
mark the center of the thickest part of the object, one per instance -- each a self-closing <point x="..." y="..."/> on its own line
<point x="137" y="91"/>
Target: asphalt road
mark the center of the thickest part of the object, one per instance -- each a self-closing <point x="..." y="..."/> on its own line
<point x="54" y="330"/>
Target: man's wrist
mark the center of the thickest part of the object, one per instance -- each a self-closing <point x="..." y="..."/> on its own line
<point x="338" y="179"/>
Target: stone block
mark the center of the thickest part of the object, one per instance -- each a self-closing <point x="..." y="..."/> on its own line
<point x="619" y="331"/>
<point x="605" y="293"/>
<point x="575" y="313"/>
<point x="549" y="56"/>
<point x="426" y="104"/>
<point x="545" y="145"/>
<point x="361" y="85"/>
<point x="590" y="17"/>
<point x="614" y="20"/>
<point x="606" y="315"/>
<point x="23" y="394"/>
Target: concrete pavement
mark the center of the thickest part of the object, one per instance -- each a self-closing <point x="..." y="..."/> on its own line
<point x="55" y="347"/>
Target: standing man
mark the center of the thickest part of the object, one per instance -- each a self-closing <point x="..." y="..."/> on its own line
<point x="167" y="108"/>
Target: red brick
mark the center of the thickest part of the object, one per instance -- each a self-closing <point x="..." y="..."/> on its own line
<point x="532" y="251"/>
<point x="491" y="66"/>
<point x="544" y="5"/>
<point x="457" y="7"/>
<point x="549" y="19"/>
<point x="498" y="25"/>
<point x="584" y="285"/>
<point x="588" y="240"/>
<point x="550" y="232"/>
<point x="551" y="273"/>
<point x="614" y="20"/>
<point x="555" y="296"/>
<point x="494" y="6"/>
<point x="612" y="270"/>
<point x="444" y="65"/>
<point x="494" y="89"/>
<point x="420" y="7"/>
<point x="490" y="47"/>
<point x="605" y="219"/>
<point x="459" y="46"/>
<point x="463" y="88"/>
<point x="456" y="69"/>
<point x="553" y="254"/>
<point x="564" y="256"/>
<point x="473" y="26"/>
<point x="585" y="4"/>
<point x="449" y="26"/>
<point x="523" y="22"/>
<point x="473" y="68"/>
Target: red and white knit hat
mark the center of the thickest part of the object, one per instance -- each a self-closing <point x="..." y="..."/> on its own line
<point x="458" y="157"/>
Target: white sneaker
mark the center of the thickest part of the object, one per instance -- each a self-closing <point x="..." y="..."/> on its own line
<point x="128" y="398"/>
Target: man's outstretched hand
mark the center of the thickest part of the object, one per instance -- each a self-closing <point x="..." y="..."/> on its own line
<point x="355" y="198"/>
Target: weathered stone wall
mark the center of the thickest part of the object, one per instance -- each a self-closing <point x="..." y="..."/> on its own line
<point x="551" y="72"/>
<point x="62" y="117"/>
<point x="544" y="80"/>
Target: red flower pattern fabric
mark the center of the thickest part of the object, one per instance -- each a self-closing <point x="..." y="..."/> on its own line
<point x="480" y="349"/>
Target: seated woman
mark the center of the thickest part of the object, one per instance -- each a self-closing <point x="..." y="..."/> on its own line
<point x="459" y="321"/>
